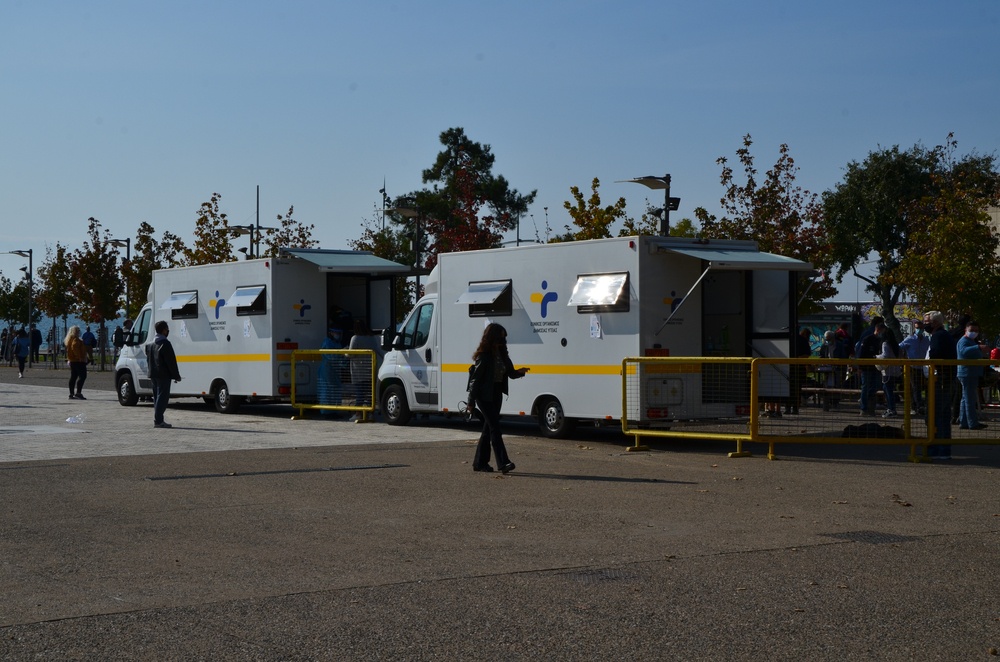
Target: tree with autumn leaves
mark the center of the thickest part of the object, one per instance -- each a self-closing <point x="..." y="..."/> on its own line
<point x="921" y="213"/>
<point x="778" y="214"/>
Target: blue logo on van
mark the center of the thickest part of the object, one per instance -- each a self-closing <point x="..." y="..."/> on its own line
<point x="544" y="298"/>
<point x="217" y="303"/>
<point x="302" y="307"/>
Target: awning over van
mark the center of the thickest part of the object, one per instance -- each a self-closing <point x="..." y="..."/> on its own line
<point x="485" y="292"/>
<point x="732" y="260"/>
<point x="178" y="300"/>
<point x="598" y="289"/>
<point x="245" y="296"/>
<point x="347" y="261"/>
<point x="719" y="258"/>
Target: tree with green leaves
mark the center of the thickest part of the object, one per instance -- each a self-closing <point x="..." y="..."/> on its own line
<point x="55" y="279"/>
<point x="777" y="213"/>
<point x="13" y="302"/>
<point x="467" y="206"/>
<point x="97" y="286"/>
<point x="290" y="233"/>
<point x="212" y="235"/>
<point x="922" y="214"/>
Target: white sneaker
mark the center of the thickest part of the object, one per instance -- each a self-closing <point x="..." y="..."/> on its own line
<point x="20" y="376"/>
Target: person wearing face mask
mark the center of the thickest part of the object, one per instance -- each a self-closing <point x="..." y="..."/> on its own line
<point x="968" y="377"/>
<point x="941" y="348"/>
<point x="914" y="346"/>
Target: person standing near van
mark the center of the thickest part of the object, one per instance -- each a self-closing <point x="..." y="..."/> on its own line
<point x="162" y="369"/>
<point x="487" y="387"/>
<point x="77" y="356"/>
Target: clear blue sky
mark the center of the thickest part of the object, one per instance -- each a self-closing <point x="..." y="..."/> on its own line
<point x="135" y="111"/>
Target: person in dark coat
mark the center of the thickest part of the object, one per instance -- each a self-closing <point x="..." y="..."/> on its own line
<point x="487" y="386"/>
<point x="942" y="348"/>
<point x="162" y="370"/>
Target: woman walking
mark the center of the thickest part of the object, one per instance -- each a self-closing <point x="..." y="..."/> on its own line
<point x="78" y="356"/>
<point x="487" y="386"/>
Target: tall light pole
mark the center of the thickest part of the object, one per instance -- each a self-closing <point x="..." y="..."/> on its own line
<point x="30" y="270"/>
<point x="127" y="243"/>
<point x="669" y="204"/>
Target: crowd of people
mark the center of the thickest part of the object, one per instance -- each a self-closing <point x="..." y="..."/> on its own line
<point x="958" y="390"/>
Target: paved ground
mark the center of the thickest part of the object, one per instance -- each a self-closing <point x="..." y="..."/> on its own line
<point x="254" y="537"/>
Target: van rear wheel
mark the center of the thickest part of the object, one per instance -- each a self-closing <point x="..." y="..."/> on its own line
<point x="394" y="406"/>
<point x="226" y="402"/>
<point x="551" y="419"/>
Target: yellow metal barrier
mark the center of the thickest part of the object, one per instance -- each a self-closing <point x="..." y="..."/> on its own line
<point x="781" y="400"/>
<point x="338" y="380"/>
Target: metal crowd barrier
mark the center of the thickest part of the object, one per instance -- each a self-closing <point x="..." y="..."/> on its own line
<point x="804" y="401"/>
<point x="334" y="381"/>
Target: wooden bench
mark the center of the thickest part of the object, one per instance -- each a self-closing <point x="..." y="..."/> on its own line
<point x="829" y="397"/>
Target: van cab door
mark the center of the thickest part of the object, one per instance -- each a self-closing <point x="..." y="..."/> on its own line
<point x="135" y="350"/>
<point x="420" y="368"/>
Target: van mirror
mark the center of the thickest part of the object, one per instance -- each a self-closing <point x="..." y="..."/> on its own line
<point x="387" y="336"/>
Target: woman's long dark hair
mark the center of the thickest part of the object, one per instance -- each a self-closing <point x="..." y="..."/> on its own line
<point x="494" y="340"/>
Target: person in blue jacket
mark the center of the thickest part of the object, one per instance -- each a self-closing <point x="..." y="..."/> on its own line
<point x="968" y="377"/>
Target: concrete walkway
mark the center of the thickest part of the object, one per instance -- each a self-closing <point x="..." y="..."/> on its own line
<point x="254" y="537"/>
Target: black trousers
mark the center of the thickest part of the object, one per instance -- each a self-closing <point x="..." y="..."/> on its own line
<point x="77" y="376"/>
<point x="490" y="435"/>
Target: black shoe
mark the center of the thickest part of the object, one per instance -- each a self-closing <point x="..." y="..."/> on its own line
<point x="79" y="396"/>
<point x="487" y="468"/>
<point x="162" y="425"/>
<point x="72" y="397"/>
<point x="507" y="468"/>
<point x="978" y="426"/>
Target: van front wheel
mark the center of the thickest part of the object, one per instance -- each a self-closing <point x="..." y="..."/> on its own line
<point x="127" y="397"/>
<point x="394" y="407"/>
<point x="551" y="419"/>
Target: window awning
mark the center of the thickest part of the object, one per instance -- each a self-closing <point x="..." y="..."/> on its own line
<point x="347" y="261"/>
<point x="721" y="259"/>
<point x="178" y="300"/>
<point x="598" y="289"/>
<point x="245" y="296"/>
<point x="485" y="292"/>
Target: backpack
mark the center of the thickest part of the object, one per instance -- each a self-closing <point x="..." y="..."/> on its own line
<point x="118" y="338"/>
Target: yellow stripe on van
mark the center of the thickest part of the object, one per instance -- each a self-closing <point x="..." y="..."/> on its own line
<point x="227" y="358"/>
<point x="549" y="369"/>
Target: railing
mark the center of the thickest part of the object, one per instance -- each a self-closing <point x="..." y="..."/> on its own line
<point x="334" y="381"/>
<point x="780" y="400"/>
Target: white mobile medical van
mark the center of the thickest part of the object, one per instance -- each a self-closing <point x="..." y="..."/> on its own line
<point x="573" y="311"/>
<point x="234" y="325"/>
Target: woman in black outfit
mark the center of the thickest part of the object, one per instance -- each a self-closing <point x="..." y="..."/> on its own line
<point x="486" y="390"/>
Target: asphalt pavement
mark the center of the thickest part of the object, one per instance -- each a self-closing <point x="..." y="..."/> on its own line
<point x="257" y="537"/>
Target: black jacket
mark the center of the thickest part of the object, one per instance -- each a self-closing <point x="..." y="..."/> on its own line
<point x="481" y="383"/>
<point x="162" y="360"/>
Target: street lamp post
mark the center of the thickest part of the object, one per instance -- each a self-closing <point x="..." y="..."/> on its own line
<point x="127" y="243"/>
<point x="30" y="269"/>
<point x="669" y="204"/>
<point x="241" y="230"/>
<point x="415" y="215"/>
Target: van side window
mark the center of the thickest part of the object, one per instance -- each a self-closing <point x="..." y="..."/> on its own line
<point x="418" y="327"/>
<point x="601" y="293"/>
